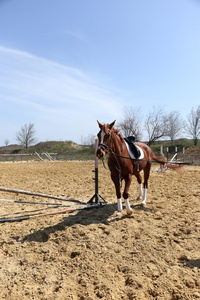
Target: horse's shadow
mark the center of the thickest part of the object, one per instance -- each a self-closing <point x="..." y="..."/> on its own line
<point x="84" y="217"/>
<point x="192" y="263"/>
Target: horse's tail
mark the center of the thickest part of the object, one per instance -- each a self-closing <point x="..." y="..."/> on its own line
<point x="165" y="163"/>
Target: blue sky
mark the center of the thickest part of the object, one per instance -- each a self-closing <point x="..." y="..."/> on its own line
<point x="64" y="64"/>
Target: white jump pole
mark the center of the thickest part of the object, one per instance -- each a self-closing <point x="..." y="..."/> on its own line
<point x="39" y="194"/>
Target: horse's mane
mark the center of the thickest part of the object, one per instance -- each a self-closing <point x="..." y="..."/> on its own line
<point x="116" y="131"/>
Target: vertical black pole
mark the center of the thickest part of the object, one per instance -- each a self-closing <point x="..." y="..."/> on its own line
<point x="96" y="182"/>
<point x="96" y="195"/>
<point x="96" y="173"/>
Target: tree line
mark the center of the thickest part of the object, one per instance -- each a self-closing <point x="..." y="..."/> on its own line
<point x="160" y="124"/>
<point x="157" y="124"/>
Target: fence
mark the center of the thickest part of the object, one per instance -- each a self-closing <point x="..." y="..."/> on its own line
<point x="45" y="157"/>
<point x="188" y="158"/>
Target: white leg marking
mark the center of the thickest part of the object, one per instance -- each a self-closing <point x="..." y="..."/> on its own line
<point x="119" y="207"/>
<point x="119" y="204"/>
<point x="128" y="207"/>
<point x="140" y="191"/>
<point x="144" y="197"/>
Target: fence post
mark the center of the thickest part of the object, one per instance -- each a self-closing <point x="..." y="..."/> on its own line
<point x="176" y="153"/>
<point x="167" y="153"/>
<point x="161" y="154"/>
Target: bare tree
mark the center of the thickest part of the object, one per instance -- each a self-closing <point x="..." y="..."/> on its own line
<point x="6" y="142"/>
<point x="89" y="140"/>
<point x="192" y="127"/>
<point x="156" y="124"/>
<point x="131" y="123"/>
<point x="26" y="135"/>
<point x="174" y="125"/>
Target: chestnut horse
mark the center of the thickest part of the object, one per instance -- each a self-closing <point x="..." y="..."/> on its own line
<point x="122" y="166"/>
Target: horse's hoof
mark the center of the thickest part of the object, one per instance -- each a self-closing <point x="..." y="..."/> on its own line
<point x="129" y="212"/>
<point x="119" y="214"/>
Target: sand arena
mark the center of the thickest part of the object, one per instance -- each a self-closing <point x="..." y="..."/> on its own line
<point x="88" y="255"/>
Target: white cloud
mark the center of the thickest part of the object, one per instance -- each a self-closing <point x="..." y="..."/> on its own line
<point x="63" y="102"/>
<point x="75" y="34"/>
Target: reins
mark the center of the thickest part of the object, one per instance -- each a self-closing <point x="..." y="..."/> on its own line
<point x="110" y="151"/>
<point x="147" y="160"/>
<point x="160" y="161"/>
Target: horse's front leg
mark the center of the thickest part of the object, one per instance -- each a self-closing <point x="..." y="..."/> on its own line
<point x="125" y="194"/>
<point x="118" y="193"/>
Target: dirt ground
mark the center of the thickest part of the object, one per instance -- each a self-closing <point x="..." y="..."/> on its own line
<point x="89" y="254"/>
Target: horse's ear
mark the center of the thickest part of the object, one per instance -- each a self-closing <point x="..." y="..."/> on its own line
<point x="111" y="125"/>
<point x="100" y="125"/>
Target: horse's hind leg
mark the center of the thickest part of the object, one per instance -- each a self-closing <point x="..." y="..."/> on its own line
<point x="139" y="180"/>
<point x="146" y="177"/>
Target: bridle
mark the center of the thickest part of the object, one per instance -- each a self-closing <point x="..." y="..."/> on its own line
<point x="108" y="149"/>
<point x="102" y="146"/>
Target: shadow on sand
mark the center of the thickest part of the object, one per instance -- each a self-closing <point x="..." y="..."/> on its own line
<point x="85" y="217"/>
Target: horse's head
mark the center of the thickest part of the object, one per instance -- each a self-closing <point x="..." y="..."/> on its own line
<point x="104" y="136"/>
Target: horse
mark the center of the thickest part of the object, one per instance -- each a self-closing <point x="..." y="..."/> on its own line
<point x="123" y="165"/>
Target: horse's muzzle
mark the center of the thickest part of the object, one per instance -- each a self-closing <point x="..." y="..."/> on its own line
<point x="100" y="153"/>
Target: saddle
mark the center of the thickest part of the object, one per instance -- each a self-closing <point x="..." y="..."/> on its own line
<point x="131" y="142"/>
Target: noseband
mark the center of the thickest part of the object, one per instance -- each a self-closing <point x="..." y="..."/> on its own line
<point x="106" y="147"/>
<point x="102" y="146"/>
